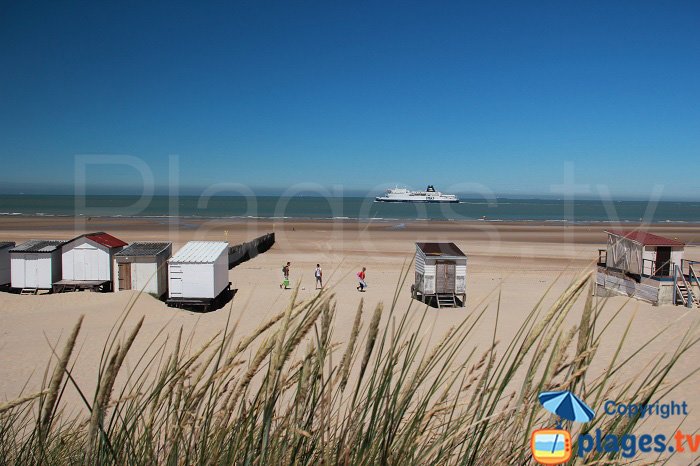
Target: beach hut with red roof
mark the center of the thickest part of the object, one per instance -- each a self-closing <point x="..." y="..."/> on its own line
<point x="642" y="253"/>
<point x="646" y="266"/>
<point x="88" y="262"/>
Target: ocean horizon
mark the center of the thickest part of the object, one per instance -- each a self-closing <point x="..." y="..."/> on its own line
<point x="351" y="208"/>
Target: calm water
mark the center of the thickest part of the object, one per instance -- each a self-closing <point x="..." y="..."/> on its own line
<point x="351" y="207"/>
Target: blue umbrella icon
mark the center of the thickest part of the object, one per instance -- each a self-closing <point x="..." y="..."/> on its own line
<point x="566" y="405"/>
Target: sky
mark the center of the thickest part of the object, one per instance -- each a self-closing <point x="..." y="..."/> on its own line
<point x="514" y="98"/>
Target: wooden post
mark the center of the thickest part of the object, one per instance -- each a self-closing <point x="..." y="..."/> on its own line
<point x="675" y="285"/>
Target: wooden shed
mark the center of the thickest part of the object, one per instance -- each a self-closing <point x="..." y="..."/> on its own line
<point x="647" y="267"/>
<point x="441" y="275"/>
<point x="642" y="253"/>
<point x="143" y="266"/>
<point x="87" y="262"/>
<point x="35" y="265"/>
<point x="198" y="275"/>
<point x="5" y="247"/>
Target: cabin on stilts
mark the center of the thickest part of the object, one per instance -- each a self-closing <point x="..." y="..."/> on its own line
<point x="142" y="266"/>
<point x="87" y="263"/>
<point x="647" y="267"/>
<point x="35" y="265"/>
<point x="441" y="275"/>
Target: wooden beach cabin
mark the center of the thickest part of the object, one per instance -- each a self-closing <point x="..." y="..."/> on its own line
<point x="441" y="275"/>
<point x="143" y="266"/>
<point x="5" y="247"/>
<point x="648" y="267"/>
<point x="87" y="262"/>
<point x="35" y="265"/>
<point x="198" y="275"/>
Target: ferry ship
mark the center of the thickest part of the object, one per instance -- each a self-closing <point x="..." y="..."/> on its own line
<point x="404" y="195"/>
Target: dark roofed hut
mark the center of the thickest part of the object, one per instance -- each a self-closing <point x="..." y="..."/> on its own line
<point x="35" y="265"/>
<point x="143" y="266"/>
<point x="441" y="275"/>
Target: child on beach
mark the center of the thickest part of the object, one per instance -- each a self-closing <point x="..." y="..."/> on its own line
<point x="319" y="276"/>
<point x="285" y="276"/>
<point x="361" y="277"/>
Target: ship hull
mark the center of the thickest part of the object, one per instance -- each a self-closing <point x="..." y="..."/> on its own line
<point x="418" y="201"/>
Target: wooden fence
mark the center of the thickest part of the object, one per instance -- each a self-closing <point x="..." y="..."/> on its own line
<point x="245" y="251"/>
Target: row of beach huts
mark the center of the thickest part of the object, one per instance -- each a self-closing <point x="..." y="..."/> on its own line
<point x="638" y="264"/>
<point x="196" y="276"/>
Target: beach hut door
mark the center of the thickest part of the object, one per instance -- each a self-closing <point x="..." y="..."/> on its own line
<point x="445" y="279"/>
<point x="663" y="261"/>
<point x="81" y="266"/>
<point x="125" y="276"/>
<point x="31" y="271"/>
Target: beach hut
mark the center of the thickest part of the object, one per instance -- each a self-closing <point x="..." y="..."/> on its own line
<point x="87" y="262"/>
<point x="641" y="253"/>
<point x="143" y="266"/>
<point x="198" y="275"/>
<point x="5" y="247"/>
<point x="441" y="274"/>
<point x="648" y="267"/>
<point x="35" y="265"/>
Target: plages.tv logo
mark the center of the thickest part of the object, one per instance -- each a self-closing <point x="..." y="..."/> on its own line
<point x="553" y="446"/>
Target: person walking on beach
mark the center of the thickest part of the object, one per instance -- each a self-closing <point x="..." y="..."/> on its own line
<point x="319" y="276"/>
<point x="361" y="277"/>
<point x="285" y="276"/>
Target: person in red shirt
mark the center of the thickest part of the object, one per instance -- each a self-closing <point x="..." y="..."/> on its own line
<point x="361" y="277"/>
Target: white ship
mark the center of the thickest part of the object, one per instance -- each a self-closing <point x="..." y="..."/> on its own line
<point x="404" y="195"/>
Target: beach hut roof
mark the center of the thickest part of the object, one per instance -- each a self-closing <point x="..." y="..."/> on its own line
<point x="644" y="238"/>
<point x="100" y="237"/>
<point x="6" y="244"/>
<point x="440" y="249"/>
<point x="38" y="245"/>
<point x="200" y="251"/>
<point x="143" y="248"/>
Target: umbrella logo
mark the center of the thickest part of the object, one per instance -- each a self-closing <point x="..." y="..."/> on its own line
<point x="553" y="446"/>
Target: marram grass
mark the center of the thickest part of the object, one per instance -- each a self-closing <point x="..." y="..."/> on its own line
<point x="289" y="393"/>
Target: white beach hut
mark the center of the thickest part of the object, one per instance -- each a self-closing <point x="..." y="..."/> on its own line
<point x="87" y="262"/>
<point x="142" y="266"/>
<point x="35" y="265"/>
<point x="5" y="247"/>
<point x="198" y="275"/>
<point x="441" y="274"/>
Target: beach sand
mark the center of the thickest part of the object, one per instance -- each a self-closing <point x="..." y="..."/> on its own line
<point x="518" y="260"/>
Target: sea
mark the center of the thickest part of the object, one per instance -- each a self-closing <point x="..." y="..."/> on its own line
<point x="358" y="208"/>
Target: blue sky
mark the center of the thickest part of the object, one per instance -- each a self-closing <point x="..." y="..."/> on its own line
<point x="492" y="96"/>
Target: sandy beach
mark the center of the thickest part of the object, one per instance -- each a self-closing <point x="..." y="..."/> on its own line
<point x="518" y="260"/>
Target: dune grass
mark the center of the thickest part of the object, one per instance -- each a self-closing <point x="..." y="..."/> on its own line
<point x="290" y="393"/>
